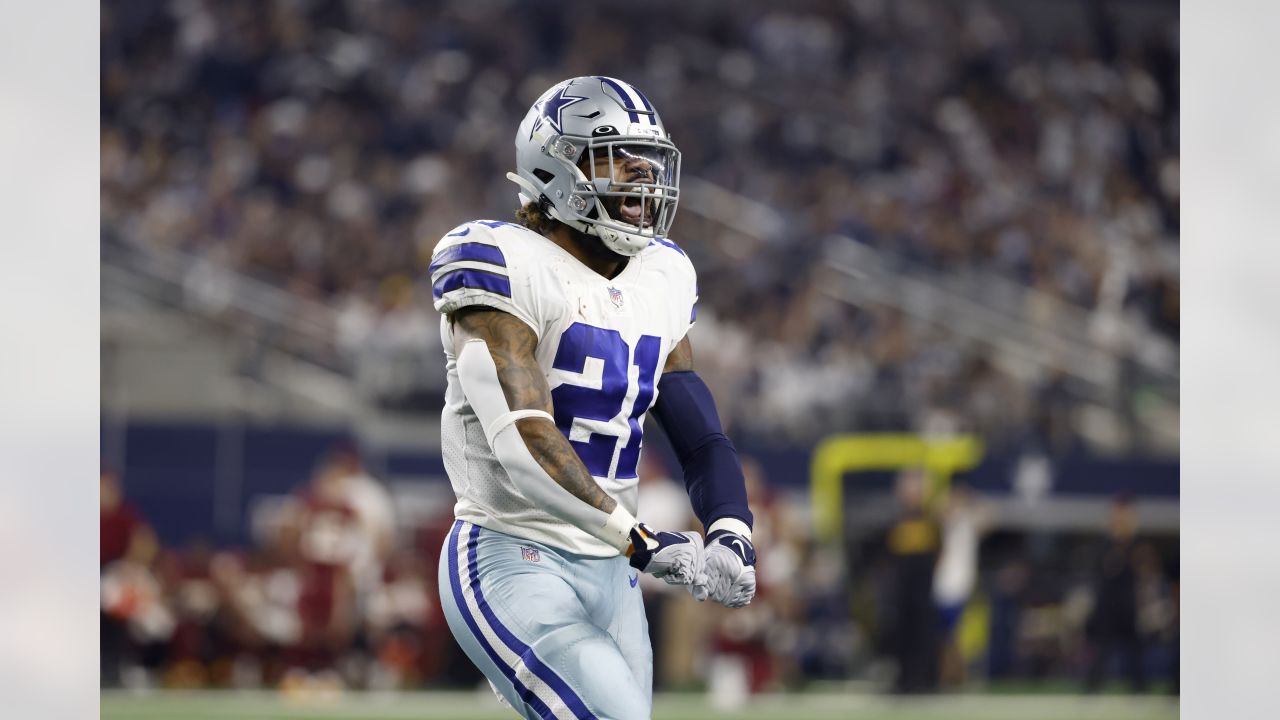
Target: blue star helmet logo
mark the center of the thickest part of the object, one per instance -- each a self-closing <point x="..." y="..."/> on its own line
<point x="553" y="107"/>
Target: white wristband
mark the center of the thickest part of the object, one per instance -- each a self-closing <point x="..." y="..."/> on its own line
<point x="733" y="525"/>
<point x="617" y="529"/>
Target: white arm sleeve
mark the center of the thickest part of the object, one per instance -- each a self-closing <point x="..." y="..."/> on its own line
<point x="479" y="378"/>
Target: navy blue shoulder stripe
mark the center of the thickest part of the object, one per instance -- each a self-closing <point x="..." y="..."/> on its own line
<point x="668" y="243"/>
<point x="471" y="278"/>
<point x="474" y="251"/>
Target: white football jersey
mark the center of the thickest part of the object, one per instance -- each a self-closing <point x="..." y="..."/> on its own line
<point x="601" y="342"/>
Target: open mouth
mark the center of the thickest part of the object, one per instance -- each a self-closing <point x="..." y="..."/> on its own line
<point x="632" y="211"/>
<point x="637" y="209"/>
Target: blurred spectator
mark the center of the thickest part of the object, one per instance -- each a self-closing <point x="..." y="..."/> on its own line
<point x="913" y="545"/>
<point x="261" y="593"/>
<point x="137" y="620"/>
<point x="956" y="575"/>
<point x="397" y="618"/>
<point x="368" y="500"/>
<point x="1009" y="595"/>
<point x="120" y="524"/>
<point x="1157" y="614"/>
<point x="202" y="651"/>
<point x="122" y="532"/>
<point x="330" y="541"/>
<point x="1113" y="628"/>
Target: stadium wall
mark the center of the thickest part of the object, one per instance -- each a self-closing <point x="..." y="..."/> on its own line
<point x="200" y="479"/>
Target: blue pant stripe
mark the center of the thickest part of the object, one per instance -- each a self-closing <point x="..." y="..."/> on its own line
<point x="455" y="577"/>
<point x="531" y="660"/>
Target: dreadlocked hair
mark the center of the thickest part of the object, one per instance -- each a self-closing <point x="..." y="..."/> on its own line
<point x="533" y="215"/>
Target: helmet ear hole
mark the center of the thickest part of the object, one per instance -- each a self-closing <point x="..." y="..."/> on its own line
<point x="543" y="175"/>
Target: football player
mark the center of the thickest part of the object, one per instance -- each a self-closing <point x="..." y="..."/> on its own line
<point x="561" y="333"/>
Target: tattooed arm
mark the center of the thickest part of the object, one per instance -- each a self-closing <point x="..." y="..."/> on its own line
<point x="511" y="344"/>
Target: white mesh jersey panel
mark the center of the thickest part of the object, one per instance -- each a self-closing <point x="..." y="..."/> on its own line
<point x="552" y="291"/>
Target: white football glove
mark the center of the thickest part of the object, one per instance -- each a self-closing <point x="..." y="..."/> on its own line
<point x="677" y="558"/>
<point x="730" y="570"/>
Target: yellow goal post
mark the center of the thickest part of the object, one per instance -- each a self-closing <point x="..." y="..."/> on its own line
<point x="838" y="455"/>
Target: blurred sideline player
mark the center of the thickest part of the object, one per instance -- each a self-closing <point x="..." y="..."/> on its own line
<point x="560" y="334"/>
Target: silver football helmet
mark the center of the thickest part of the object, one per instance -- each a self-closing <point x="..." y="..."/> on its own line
<point x="594" y="152"/>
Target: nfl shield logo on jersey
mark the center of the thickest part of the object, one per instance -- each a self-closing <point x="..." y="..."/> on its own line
<point x="530" y="554"/>
<point x="616" y="296"/>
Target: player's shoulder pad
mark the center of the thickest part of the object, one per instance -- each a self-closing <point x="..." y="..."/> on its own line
<point x="668" y="253"/>
<point x="483" y="262"/>
<point x="482" y="232"/>
<point x="660" y="242"/>
<point x="683" y="278"/>
<point x="673" y="260"/>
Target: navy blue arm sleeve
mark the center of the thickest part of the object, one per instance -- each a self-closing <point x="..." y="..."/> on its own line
<point x="712" y="472"/>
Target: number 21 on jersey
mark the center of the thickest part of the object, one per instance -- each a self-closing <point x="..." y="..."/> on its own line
<point x="582" y="341"/>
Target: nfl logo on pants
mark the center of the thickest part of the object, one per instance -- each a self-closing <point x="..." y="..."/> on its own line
<point x="530" y="554"/>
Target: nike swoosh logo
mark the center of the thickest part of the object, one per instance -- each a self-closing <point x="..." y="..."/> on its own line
<point x="634" y="579"/>
<point x="460" y="234"/>
<point x="742" y="549"/>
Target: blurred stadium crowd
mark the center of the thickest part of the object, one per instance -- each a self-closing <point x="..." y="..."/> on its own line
<point x="324" y="146"/>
